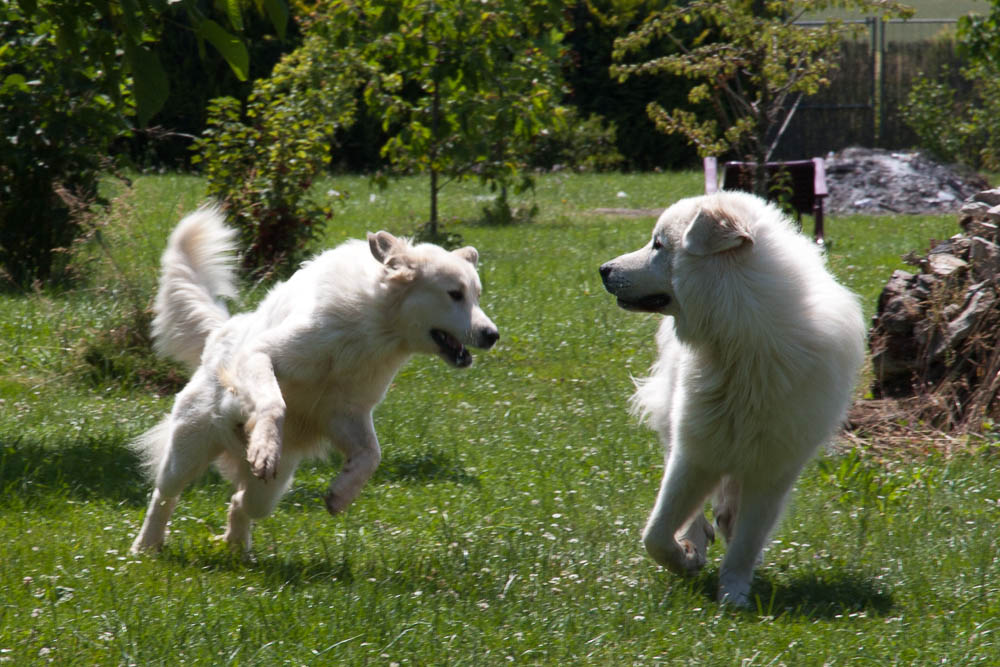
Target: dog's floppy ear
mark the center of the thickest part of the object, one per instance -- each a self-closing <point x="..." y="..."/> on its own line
<point x="392" y="253"/>
<point x="712" y="232"/>
<point x="383" y="245"/>
<point x="469" y="254"/>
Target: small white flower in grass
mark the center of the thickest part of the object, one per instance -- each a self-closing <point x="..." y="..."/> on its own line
<point x="621" y="194"/>
<point x="638" y="617"/>
<point x="372" y="198"/>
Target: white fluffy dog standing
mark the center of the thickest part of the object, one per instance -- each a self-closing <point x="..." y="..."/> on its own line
<point x="758" y="356"/>
<point x="306" y="368"/>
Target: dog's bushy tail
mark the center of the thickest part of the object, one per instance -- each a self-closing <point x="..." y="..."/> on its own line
<point x="197" y="269"/>
<point x="150" y="447"/>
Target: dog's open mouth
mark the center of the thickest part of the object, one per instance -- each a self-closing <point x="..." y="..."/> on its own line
<point x="451" y="349"/>
<point x="652" y="303"/>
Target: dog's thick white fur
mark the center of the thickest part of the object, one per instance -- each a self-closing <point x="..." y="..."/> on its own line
<point x="758" y="355"/>
<point x="306" y="368"/>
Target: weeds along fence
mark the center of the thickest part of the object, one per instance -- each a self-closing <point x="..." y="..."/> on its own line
<point x="863" y="105"/>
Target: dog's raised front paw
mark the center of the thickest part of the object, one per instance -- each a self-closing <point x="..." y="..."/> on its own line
<point x="238" y="543"/>
<point x="263" y="464"/>
<point x="679" y="556"/>
<point x="264" y="449"/>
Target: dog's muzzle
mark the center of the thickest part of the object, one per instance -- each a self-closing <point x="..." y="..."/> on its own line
<point x="455" y="353"/>
<point x="616" y="284"/>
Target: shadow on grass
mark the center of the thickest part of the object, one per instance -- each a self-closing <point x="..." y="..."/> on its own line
<point x="282" y="569"/>
<point x="422" y="467"/>
<point x="816" y="595"/>
<point x="823" y="594"/>
<point x="87" y="468"/>
<point x="105" y="467"/>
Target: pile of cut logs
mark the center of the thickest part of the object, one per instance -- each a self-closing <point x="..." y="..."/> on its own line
<point x="937" y="329"/>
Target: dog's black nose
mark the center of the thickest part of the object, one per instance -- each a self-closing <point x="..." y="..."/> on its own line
<point x="605" y="271"/>
<point x="488" y="338"/>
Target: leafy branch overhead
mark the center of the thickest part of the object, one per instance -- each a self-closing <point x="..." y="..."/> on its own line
<point x="753" y="61"/>
<point x="130" y="27"/>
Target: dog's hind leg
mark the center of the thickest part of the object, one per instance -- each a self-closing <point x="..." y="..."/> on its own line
<point x="677" y="534"/>
<point x="190" y="449"/>
<point x="354" y="435"/>
<point x="154" y="525"/>
<point x="726" y="506"/>
<point x="255" y="499"/>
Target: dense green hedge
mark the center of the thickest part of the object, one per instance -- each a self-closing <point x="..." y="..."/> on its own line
<point x="57" y="120"/>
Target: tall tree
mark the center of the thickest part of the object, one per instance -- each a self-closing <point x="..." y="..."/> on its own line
<point x="754" y="62"/>
<point x="462" y="86"/>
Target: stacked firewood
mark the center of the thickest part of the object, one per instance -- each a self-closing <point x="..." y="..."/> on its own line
<point x="936" y="332"/>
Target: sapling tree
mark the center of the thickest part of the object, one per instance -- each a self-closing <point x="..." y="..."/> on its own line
<point x="462" y="87"/>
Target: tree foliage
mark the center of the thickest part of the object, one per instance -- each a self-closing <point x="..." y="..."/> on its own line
<point x="752" y="63"/>
<point x="72" y="76"/>
<point x="57" y="118"/>
<point x="463" y="88"/>
<point x="596" y="24"/>
<point x="119" y="34"/>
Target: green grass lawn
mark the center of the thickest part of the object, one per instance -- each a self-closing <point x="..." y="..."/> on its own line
<point x="503" y="526"/>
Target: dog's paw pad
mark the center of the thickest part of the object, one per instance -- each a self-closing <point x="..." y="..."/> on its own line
<point x="694" y="558"/>
<point x="263" y="464"/>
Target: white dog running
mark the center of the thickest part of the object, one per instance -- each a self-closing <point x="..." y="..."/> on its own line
<point x="273" y="386"/>
<point x="757" y="360"/>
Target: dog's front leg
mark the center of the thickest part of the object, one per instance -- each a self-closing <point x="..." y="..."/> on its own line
<point x="354" y="436"/>
<point x="760" y="505"/>
<point x="677" y="534"/>
<point x="266" y="418"/>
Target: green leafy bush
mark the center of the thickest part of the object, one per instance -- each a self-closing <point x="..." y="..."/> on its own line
<point x="261" y="163"/>
<point x="57" y="119"/>
<point x="963" y="128"/>
<point x="581" y="144"/>
<point x="955" y="128"/>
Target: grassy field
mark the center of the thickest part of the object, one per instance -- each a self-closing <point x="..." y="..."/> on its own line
<point x="503" y="526"/>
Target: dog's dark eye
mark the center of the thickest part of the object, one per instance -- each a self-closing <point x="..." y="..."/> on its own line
<point x="455" y="294"/>
<point x="656" y="244"/>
